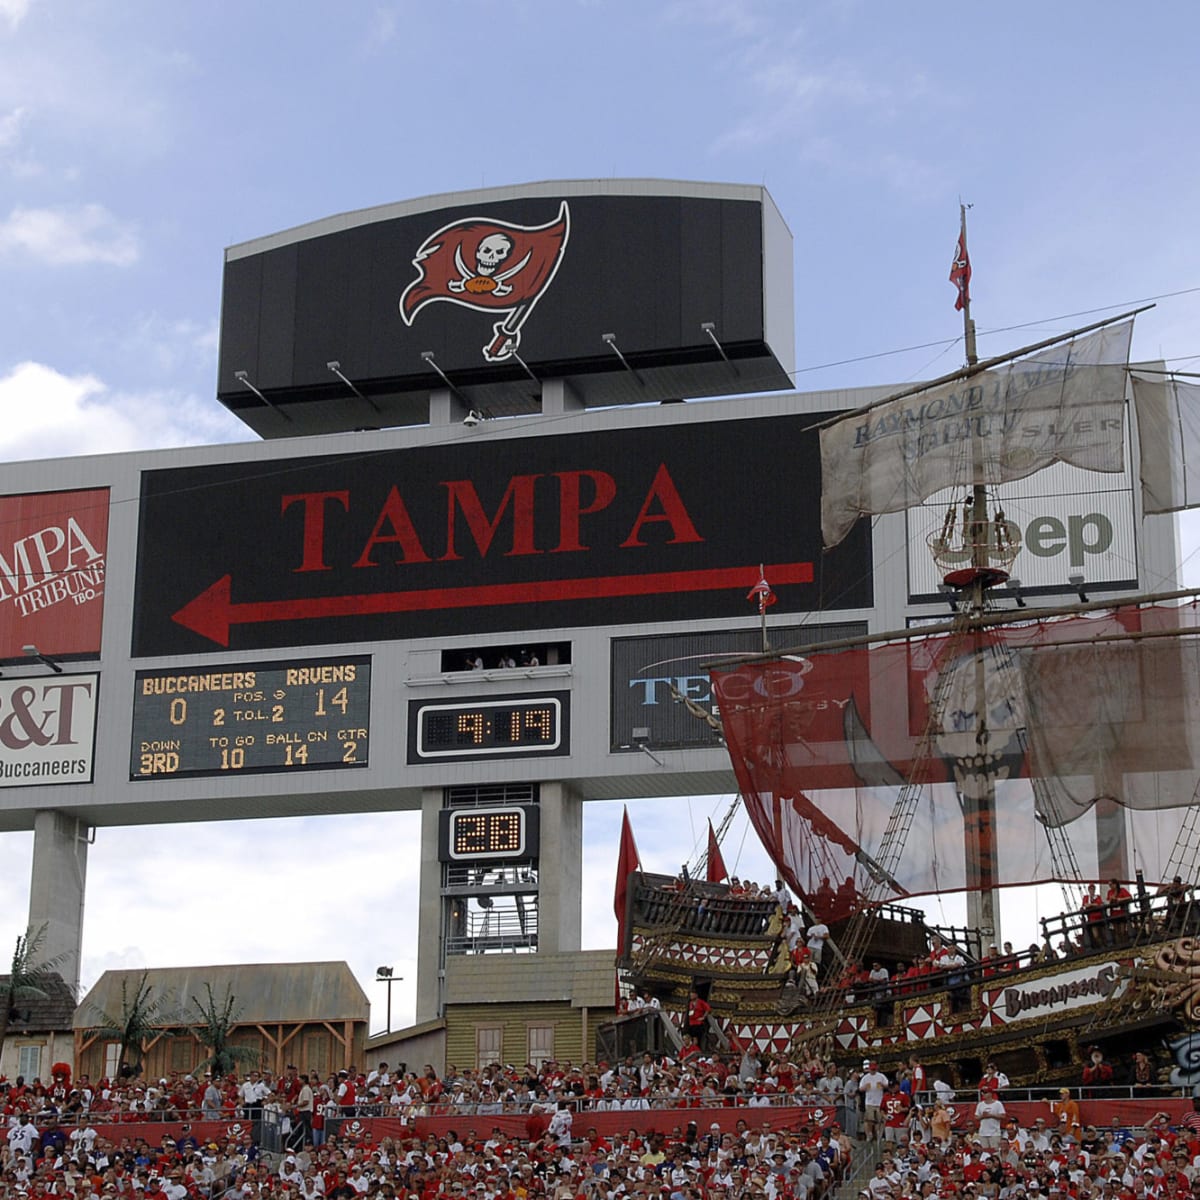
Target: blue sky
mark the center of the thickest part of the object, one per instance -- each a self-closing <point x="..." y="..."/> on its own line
<point x="139" y="139"/>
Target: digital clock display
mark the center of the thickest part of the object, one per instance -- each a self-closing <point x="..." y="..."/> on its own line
<point x="497" y="727"/>
<point x="487" y="834"/>
<point x="251" y="717"/>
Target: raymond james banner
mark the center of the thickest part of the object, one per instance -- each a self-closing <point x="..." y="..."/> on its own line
<point x="1065" y="404"/>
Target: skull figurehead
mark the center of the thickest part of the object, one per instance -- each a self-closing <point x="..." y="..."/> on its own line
<point x="492" y="252"/>
<point x="984" y="748"/>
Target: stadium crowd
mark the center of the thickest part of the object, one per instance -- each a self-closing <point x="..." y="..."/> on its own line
<point x="897" y="1138"/>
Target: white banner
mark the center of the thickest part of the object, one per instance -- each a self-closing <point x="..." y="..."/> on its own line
<point x="1053" y="993"/>
<point x="47" y="729"/>
<point x="1168" y="417"/>
<point x="1064" y="404"/>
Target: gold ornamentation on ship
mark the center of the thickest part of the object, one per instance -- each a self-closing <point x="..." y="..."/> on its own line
<point x="1181" y="958"/>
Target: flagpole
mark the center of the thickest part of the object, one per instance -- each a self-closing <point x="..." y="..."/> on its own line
<point x="968" y="324"/>
<point x="762" y="610"/>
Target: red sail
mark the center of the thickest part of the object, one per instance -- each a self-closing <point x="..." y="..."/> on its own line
<point x="1075" y="714"/>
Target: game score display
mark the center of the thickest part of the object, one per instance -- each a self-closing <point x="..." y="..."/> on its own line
<point x="254" y="717"/>
<point x="492" y="727"/>
<point x="482" y="835"/>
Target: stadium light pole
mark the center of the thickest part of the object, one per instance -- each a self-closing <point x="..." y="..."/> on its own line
<point x="384" y="975"/>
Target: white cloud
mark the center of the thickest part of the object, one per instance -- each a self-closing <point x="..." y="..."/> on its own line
<point x="49" y="415"/>
<point x="13" y="11"/>
<point x="10" y="126"/>
<point x="69" y="236"/>
<point x="382" y="26"/>
<point x="734" y="18"/>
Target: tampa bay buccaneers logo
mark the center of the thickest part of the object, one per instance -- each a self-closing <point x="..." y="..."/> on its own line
<point x="491" y="265"/>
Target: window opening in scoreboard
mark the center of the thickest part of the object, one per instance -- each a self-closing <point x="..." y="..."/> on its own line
<point x="517" y="656"/>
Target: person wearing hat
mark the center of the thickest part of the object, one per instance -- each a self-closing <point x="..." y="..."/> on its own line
<point x="1065" y="1113"/>
<point x="989" y="1113"/>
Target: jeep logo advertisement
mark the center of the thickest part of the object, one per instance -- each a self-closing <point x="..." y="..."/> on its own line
<point x="1065" y="521"/>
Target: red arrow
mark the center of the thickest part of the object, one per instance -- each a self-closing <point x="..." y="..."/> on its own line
<point x="212" y="612"/>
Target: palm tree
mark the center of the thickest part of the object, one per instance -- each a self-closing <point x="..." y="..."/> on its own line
<point x="213" y="1022"/>
<point x="27" y="976"/>
<point x="140" y="1015"/>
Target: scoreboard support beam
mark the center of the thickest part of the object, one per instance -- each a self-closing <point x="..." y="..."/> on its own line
<point x="56" y="889"/>
<point x="431" y="962"/>
<point x="477" y="851"/>
<point x="559" y="870"/>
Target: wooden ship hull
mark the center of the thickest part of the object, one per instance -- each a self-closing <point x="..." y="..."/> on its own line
<point x="1037" y="1020"/>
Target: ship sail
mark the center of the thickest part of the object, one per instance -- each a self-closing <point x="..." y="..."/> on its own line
<point x="868" y="769"/>
<point x="1083" y="715"/>
<point x="991" y="426"/>
<point x="1168" y="415"/>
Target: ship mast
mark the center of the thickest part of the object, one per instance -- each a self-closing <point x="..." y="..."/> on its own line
<point x="979" y="803"/>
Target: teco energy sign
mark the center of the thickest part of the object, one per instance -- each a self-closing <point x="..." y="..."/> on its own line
<point x="631" y="290"/>
<point x="613" y="527"/>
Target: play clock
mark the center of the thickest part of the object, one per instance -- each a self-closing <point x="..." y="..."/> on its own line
<point x="491" y="727"/>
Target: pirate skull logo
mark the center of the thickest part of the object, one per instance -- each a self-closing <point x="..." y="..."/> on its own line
<point x="488" y="277"/>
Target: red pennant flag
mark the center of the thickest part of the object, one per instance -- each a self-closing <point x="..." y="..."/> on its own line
<point x="628" y="861"/>
<point x="494" y="266"/>
<point x="716" y="864"/>
<point x="960" y="273"/>
<point x="761" y="592"/>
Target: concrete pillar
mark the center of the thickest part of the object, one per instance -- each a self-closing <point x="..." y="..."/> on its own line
<point x="428" y="921"/>
<point x="560" y="870"/>
<point x="56" y="888"/>
<point x="558" y="397"/>
<point x="445" y="408"/>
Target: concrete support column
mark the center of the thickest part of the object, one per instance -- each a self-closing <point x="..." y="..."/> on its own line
<point x="445" y="408"/>
<point x="56" y="889"/>
<point x="560" y="867"/>
<point x="558" y="397"/>
<point x="428" y="920"/>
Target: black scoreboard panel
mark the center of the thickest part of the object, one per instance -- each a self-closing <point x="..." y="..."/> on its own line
<point x="280" y="716"/>
<point x="496" y="727"/>
<point x="480" y="835"/>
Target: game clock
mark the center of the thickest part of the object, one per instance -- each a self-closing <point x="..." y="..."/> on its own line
<point x="481" y="835"/>
<point x="493" y="728"/>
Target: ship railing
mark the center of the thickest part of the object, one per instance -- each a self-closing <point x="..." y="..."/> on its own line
<point x="1143" y="918"/>
<point x="705" y="909"/>
<point x="965" y="1099"/>
<point x="992" y="972"/>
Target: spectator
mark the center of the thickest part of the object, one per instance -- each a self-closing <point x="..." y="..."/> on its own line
<point x="1097" y="1074"/>
<point x="872" y="1085"/>
<point x="989" y="1113"/>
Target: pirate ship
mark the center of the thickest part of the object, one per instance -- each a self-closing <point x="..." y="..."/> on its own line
<point x="1006" y="746"/>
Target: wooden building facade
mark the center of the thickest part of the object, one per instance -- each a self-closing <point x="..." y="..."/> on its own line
<point x="311" y="1015"/>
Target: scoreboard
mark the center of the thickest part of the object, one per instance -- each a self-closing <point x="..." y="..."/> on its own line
<point x="251" y="717"/>
<point x="494" y="727"/>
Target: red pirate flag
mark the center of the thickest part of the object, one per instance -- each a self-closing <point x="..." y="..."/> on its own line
<point x="628" y="861"/>
<point x="960" y="272"/>
<point x="716" y="872"/>
<point x="491" y="265"/>
<point x="761" y="592"/>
